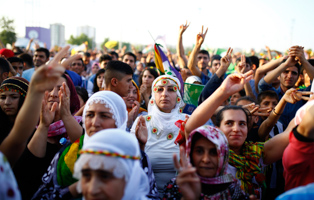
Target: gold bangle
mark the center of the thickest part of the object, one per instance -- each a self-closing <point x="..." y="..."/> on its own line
<point x="275" y="112"/>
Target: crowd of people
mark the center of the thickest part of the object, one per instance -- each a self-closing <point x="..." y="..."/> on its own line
<point x="107" y="124"/>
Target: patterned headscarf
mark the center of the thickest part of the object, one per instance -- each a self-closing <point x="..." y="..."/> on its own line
<point x="116" y="150"/>
<point x="15" y="84"/>
<point x="158" y="117"/>
<point x="220" y="141"/>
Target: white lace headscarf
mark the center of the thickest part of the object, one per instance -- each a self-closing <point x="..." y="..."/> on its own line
<point x="116" y="150"/>
<point x="116" y="106"/>
<point x="161" y="120"/>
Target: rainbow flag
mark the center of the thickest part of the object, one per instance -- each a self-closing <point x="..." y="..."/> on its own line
<point x="164" y="67"/>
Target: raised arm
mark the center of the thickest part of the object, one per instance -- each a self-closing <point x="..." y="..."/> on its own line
<point x="44" y="78"/>
<point x="192" y="59"/>
<point x="233" y="83"/>
<point x="268" y="53"/>
<point x="182" y="60"/>
<point x="291" y="96"/>
<point x="272" y="75"/>
<point x="298" y="53"/>
<point x="262" y="70"/>
<point x="29" y="45"/>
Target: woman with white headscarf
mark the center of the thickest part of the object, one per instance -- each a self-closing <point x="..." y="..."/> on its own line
<point x="164" y="109"/>
<point x="109" y="167"/>
<point x="103" y="110"/>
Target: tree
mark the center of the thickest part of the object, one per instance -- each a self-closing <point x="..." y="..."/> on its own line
<point x="7" y="34"/>
<point x="81" y="39"/>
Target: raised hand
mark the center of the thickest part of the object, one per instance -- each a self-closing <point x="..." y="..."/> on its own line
<point x="255" y="110"/>
<point x="201" y="37"/>
<point x="187" y="179"/>
<point x="235" y="82"/>
<point x="64" y="96"/>
<point x="293" y="96"/>
<point x="47" y="115"/>
<point x="133" y="113"/>
<point x="141" y="132"/>
<point x="298" y="53"/>
<point x="226" y="60"/>
<point x="46" y="76"/>
<point x="183" y="27"/>
<point x="241" y="67"/>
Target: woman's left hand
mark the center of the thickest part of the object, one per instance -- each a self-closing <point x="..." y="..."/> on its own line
<point x="64" y="96"/>
<point x="187" y="179"/>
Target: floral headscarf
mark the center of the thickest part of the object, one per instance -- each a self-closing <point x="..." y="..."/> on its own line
<point x="160" y="120"/>
<point x="220" y="141"/>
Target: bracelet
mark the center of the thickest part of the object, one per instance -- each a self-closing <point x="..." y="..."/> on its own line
<point x="275" y="112"/>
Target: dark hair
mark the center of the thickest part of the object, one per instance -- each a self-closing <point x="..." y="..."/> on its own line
<point x="219" y="116"/>
<point x="15" y="59"/>
<point x="96" y="88"/>
<point x="116" y="69"/>
<point x="151" y="64"/>
<point x="204" y="52"/>
<point x="27" y="59"/>
<point x="311" y="61"/>
<point x="246" y="98"/>
<point x="82" y="63"/>
<point x="152" y="71"/>
<point x="195" y="138"/>
<point x="87" y="54"/>
<point x="297" y="65"/>
<point x="46" y="51"/>
<point x="247" y="60"/>
<point x="130" y="54"/>
<point x="114" y="53"/>
<point x="104" y="57"/>
<point x="4" y="65"/>
<point x="82" y="92"/>
<point x="268" y="93"/>
<point x="255" y="61"/>
<point x="215" y="57"/>
<point x="242" y="93"/>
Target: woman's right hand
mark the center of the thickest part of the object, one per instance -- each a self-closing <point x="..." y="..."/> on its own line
<point x="47" y="115"/>
<point x="187" y="179"/>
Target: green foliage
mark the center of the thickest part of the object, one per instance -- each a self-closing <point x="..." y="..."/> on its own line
<point x="81" y="39"/>
<point x="7" y="34"/>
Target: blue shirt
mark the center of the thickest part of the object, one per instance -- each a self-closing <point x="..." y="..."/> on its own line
<point x="290" y="109"/>
<point x="76" y="79"/>
<point x="27" y="74"/>
<point x="303" y="192"/>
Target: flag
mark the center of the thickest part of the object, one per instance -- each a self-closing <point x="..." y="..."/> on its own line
<point x="164" y="67"/>
<point x="192" y="93"/>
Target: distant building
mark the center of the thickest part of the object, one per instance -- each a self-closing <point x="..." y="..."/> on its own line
<point x="57" y="32"/>
<point x="89" y="31"/>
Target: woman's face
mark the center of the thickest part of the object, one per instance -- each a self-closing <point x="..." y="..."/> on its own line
<point x="100" y="79"/>
<point x="166" y="97"/>
<point x="234" y="126"/>
<point x="101" y="184"/>
<point x="148" y="78"/>
<point x="205" y="158"/>
<point x="53" y="95"/>
<point x="234" y="98"/>
<point x="98" y="118"/>
<point x="9" y="102"/>
<point x="132" y="96"/>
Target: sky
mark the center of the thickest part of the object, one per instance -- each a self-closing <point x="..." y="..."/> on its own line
<point x="243" y="24"/>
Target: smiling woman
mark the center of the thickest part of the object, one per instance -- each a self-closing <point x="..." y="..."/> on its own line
<point x="12" y="94"/>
